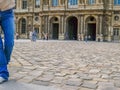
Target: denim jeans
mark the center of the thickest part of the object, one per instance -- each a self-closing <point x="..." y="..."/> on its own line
<point x="8" y="26"/>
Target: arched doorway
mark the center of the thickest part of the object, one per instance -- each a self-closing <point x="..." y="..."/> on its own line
<point x="71" y="32"/>
<point x="22" y="28"/>
<point x="55" y="28"/>
<point x="91" y="28"/>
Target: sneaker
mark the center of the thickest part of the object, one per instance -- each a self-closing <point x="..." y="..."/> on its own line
<point x="2" y="80"/>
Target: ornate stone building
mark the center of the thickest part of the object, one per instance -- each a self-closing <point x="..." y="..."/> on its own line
<point x="69" y="19"/>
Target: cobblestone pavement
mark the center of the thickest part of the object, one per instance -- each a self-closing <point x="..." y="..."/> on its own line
<point x="70" y="65"/>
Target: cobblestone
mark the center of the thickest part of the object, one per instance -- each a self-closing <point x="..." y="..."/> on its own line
<point x="70" y="65"/>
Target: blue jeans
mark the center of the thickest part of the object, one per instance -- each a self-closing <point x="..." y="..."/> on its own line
<point x="8" y="26"/>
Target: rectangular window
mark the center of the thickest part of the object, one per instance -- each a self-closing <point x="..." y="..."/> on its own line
<point x="116" y="31"/>
<point x="91" y="2"/>
<point x="116" y="2"/>
<point x="54" y="2"/>
<point x="24" y="4"/>
<point x="73" y="2"/>
<point x="37" y="3"/>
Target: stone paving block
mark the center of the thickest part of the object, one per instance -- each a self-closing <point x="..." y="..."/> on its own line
<point x="89" y="85"/>
<point x="105" y="76"/>
<point x="35" y="73"/>
<point x="26" y="79"/>
<point x="73" y="82"/>
<point x="117" y="83"/>
<point x="95" y="75"/>
<point x="107" y="88"/>
<point x="94" y="71"/>
<point x="66" y="87"/>
<point x="100" y="79"/>
<point x="38" y="82"/>
<point x="58" y="80"/>
<point x="17" y="76"/>
<point x="45" y="78"/>
<point x="106" y="84"/>
<point x="86" y="78"/>
<point x="82" y="88"/>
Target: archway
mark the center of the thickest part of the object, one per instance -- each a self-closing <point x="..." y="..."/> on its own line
<point x="91" y="29"/>
<point x="55" y="28"/>
<point x="72" y="28"/>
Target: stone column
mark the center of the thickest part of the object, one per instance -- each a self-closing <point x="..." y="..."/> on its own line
<point x="41" y="4"/>
<point x="48" y="24"/>
<point x="101" y="33"/>
<point x="82" y="27"/>
<point x="97" y="2"/>
<point x="100" y="23"/>
<point x="61" y="34"/>
<point x="79" y="25"/>
<point x="85" y="2"/>
<point x="16" y="21"/>
<point x="40" y="28"/>
<point x="97" y="28"/>
<point x="81" y="18"/>
<point x="109" y="28"/>
<point x="111" y="1"/>
<point x="50" y="3"/>
<point x="65" y="27"/>
<point x="59" y="2"/>
<point x="20" y="5"/>
<point x="60" y="27"/>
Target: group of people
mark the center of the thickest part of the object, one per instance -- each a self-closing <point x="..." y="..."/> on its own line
<point x="33" y="35"/>
<point x="84" y="37"/>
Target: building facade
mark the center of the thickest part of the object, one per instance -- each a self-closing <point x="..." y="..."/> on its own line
<point x="69" y="19"/>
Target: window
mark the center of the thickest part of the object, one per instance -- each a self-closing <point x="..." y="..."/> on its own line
<point x="91" y="2"/>
<point x="54" y="2"/>
<point x="116" y="31"/>
<point x="116" y="2"/>
<point x="37" y="3"/>
<point x="36" y="18"/>
<point x="73" y="2"/>
<point x="23" y="26"/>
<point x="37" y="30"/>
<point x="24" y="4"/>
<point x="116" y="18"/>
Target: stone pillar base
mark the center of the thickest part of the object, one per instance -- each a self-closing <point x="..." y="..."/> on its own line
<point x="109" y="39"/>
<point x="61" y="37"/>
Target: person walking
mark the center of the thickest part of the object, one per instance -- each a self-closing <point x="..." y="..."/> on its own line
<point x="34" y="36"/>
<point x="17" y="35"/>
<point x="30" y="35"/>
<point x="8" y="27"/>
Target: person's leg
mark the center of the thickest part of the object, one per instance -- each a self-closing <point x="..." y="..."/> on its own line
<point x="8" y="27"/>
<point x="3" y="62"/>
